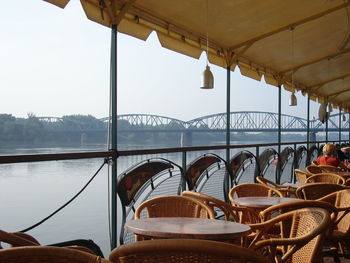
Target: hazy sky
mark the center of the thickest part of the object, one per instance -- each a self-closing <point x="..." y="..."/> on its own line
<point x="55" y="62"/>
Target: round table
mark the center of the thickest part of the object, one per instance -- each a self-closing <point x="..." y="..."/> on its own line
<point x="187" y="227"/>
<point x="261" y="202"/>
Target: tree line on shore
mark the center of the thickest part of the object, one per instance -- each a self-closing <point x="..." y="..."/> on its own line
<point x="78" y="129"/>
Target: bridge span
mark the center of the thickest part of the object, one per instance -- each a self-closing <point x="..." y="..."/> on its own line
<point x="242" y="121"/>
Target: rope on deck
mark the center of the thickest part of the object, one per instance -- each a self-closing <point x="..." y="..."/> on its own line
<point x="67" y="203"/>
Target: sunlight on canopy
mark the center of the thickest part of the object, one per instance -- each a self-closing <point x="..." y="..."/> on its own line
<point x="302" y="45"/>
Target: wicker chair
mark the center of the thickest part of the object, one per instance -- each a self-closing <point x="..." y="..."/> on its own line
<point x="314" y="191"/>
<point x="302" y="244"/>
<point x="184" y="251"/>
<point x="340" y="237"/>
<point x="282" y="208"/>
<point x="329" y="168"/>
<point x="301" y="175"/>
<point x="286" y="190"/>
<point x="347" y="182"/>
<point x="314" y="169"/>
<point x="230" y="213"/>
<point x="41" y="254"/>
<point x="326" y="178"/>
<point x="282" y="230"/>
<point x="243" y="190"/>
<point x="314" y="162"/>
<point x="147" y="179"/>
<point x="174" y="206"/>
<point x="18" y="239"/>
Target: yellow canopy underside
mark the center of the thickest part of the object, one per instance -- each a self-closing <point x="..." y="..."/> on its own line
<point x="303" y="41"/>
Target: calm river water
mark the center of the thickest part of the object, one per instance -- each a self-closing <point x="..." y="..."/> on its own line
<point x="31" y="191"/>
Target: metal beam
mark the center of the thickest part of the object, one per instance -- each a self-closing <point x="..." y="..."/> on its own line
<point x="232" y="56"/>
<point x="123" y="11"/>
<point x="335" y="94"/>
<point x="330" y="56"/>
<point x="318" y="85"/>
<point x="294" y="24"/>
<point x="103" y="4"/>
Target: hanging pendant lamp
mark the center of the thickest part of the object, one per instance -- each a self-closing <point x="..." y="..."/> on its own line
<point x="293" y="99"/>
<point x="329" y="108"/>
<point x="207" y="81"/>
<point x="344" y="117"/>
<point x="322" y="113"/>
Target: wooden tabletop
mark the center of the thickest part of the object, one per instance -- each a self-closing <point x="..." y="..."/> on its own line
<point x="187" y="227"/>
<point x="261" y="202"/>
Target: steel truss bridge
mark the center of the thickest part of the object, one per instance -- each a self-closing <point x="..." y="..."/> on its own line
<point x="242" y="121"/>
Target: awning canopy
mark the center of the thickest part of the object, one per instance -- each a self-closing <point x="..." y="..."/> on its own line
<point x="291" y="41"/>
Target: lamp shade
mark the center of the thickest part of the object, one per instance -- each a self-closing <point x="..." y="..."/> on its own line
<point x="207" y="79"/>
<point x="330" y="108"/>
<point x="293" y="100"/>
<point x="322" y="113"/>
<point x="344" y="117"/>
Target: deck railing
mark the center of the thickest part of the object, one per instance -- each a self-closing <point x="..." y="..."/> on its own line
<point x="246" y="161"/>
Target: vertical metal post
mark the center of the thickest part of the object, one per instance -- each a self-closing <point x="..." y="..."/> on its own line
<point x="113" y="138"/>
<point x="228" y="110"/>
<point x="257" y="166"/>
<point x="327" y="128"/>
<point x="339" y="126"/>
<point x="308" y="127"/>
<point x="184" y="165"/>
<point x="278" y="175"/>
<point x="295" y="164"/>
<point x="308" y="123"/>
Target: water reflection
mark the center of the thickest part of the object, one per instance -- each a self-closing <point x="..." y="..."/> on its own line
<point x="31" y="191"/>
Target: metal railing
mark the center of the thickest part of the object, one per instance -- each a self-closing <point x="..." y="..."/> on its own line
<point x="256" y="149"/>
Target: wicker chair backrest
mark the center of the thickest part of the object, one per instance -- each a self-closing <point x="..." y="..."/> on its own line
<point x="185" y="251"/>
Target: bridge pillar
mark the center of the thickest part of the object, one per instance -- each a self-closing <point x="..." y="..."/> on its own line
<point x="186" y="139"/>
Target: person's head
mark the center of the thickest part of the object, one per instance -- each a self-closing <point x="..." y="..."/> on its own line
<point x="329" y="149"/>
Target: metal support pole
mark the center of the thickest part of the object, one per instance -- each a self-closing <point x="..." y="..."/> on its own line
<point x="339" y="126"/>
<point x="184" y="166"/>
<point x="308" y="129"/>
<point x="228" y="110"/>
<point x="295" y="164"/>
<point x="257" y="166"/>
<point x="113" y="138"/>
<point x="278" y="174"/>
<point x="308" y="124"/>
<point x="327" y="128"/>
